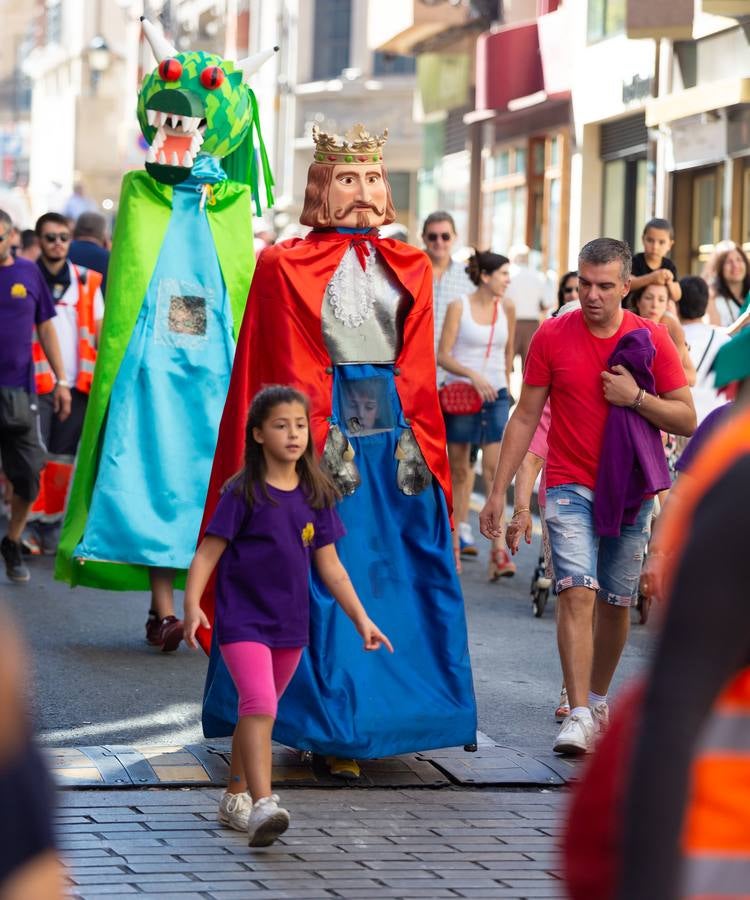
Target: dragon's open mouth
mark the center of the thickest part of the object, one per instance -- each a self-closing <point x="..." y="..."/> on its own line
<point x="177" y="140"/>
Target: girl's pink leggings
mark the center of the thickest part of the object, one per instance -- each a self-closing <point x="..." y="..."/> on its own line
<point x="260" y="674"/>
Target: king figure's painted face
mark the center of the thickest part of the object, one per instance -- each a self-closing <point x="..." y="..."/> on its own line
<point x="357" y="196"/>
<point x="192" y="102"/>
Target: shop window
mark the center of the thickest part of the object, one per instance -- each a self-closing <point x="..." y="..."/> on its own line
<point x="537" y="156"/>
<point x="555" y="213"/>
<point x="697" y="214"/>
<point x="390" y="64"/>
<point x="400" y="190"/>
<point x="606" y="18"/>
<point x="523" y="198"/>
<point x="746" y="208"/>
<point x="53" y="22"/>
<point x="624" y="200"/>
<point x="554" y="151"/>
<point x="706" y="212"/>
<point x="508" y="219"/>
<point x="331" y="38"/>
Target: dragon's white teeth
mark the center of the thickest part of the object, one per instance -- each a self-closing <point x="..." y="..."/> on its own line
<point x="151" y="116"/>
<point x="163" y="118"/>
<point x="162" y="158"/>
<point x="158" y="139"/>
<point x="151" y="155"/>
<point x="174" y="159"/>
<point x="187" y="160"/>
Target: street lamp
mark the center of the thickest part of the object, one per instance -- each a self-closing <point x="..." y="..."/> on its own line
<point x="99" y="56"/>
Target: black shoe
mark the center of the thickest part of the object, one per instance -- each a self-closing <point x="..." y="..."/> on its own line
<point x="14" y="567"/>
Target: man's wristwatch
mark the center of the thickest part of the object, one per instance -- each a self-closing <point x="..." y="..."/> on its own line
<point x="63" y="383"/>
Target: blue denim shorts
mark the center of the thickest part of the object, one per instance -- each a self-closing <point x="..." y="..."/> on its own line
<point x="484" y="427"/>
<point x="611" y="566"/>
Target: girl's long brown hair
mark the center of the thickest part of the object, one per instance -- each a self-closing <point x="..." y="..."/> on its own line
<point x="318" y="487"/>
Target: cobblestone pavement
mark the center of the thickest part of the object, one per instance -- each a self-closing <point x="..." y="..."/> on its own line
<point x="344" y="843"/>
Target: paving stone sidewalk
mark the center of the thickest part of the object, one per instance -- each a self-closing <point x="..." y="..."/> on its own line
<point x="346" y="843"/>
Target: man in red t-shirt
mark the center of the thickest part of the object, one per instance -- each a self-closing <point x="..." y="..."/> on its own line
<point x="567" y="361"/>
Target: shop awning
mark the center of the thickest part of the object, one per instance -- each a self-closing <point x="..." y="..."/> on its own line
<point x="727" y="7"/>
<point x="693" y="101"/>
<point x="509" y="66"/>
<point x="403" y="43"/>
<point x="522" y="65"/>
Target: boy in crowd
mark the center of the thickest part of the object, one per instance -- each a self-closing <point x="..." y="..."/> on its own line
<point x="653" y="266"/>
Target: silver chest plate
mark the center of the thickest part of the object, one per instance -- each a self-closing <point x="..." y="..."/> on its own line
<point x="363" y="312"/>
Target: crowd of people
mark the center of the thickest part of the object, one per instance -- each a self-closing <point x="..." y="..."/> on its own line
<point x="615" y="379"/>
<point x="52" y="307"/>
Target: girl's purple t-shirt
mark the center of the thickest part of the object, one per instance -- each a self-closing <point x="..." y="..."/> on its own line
<point x="262" y="580"/>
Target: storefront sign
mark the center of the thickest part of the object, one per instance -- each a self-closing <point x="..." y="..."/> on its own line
<point x="697" y="142"/>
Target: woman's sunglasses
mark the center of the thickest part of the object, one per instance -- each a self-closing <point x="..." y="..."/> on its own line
<point x="438" y="236"/>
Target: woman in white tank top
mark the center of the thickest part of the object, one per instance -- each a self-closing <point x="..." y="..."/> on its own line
<point x="476" y="346"/>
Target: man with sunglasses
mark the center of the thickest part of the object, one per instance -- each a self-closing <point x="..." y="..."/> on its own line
<point x="25" y="304"/>
<point x="449" y="282"/>
<point x="76" y="292"/>
<point x="449" y="278"/>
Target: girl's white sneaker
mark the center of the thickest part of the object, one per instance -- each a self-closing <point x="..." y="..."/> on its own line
<point x="234" y="810"/>
<point x="267" y="821"/>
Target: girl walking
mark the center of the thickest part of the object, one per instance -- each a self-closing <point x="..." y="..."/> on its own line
<point x="274" y="518"/>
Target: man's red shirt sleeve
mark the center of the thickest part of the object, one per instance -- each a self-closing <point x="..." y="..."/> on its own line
<point x="537" y="372"/>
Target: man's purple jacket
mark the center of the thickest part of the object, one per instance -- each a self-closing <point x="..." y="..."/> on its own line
<point x="632" y="464"/>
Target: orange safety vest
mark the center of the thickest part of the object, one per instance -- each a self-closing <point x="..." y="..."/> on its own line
<point x="716" y="828"/>
<point x="88" y="284"/>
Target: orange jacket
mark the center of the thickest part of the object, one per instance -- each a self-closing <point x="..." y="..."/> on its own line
<point x="88" y="284"/>
<point x="716" y="831"/>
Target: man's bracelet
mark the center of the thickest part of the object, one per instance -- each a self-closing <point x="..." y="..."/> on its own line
<point x="61" y="382"/>
<point x="521" y="509"/>
<point x="639" y="399"/>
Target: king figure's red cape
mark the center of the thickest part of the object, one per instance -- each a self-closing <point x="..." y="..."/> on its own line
<point x="281" y="342"/>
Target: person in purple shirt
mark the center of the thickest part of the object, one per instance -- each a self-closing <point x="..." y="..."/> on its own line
<point x="273" y="520"/>
<point x="25" y="303"/>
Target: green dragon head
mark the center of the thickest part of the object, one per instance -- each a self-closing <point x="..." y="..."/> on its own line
<point x="192" y="102"/>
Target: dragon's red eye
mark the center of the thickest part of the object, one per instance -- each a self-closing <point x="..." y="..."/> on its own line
<point x="170" y="69"/>
<point x="212" y="77"/>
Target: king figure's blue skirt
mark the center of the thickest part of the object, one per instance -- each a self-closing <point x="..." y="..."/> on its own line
<point x="398" y="552"/>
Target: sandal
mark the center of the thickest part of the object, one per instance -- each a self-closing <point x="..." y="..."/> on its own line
<point x="501" y="565"/>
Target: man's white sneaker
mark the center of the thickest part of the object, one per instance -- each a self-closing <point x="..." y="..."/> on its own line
<point x="576" y="735"/>
<point x="267" y="821"/>
<point x="600" y="715"/>
<point x="234" y="810"/>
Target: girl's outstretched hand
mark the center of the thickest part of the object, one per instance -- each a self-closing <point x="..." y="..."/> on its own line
<point x="194" y="618"/>
<point x="373" y="637"/>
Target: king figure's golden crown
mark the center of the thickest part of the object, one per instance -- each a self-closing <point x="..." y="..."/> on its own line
<point x="357" y="146"/>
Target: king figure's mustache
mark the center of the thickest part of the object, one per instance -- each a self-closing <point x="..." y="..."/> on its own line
<point x="357" y="206"/>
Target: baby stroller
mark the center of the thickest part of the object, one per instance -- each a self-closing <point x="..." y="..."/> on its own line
<point x="541" y="585"/>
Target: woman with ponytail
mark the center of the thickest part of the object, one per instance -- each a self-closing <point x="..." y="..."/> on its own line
<point x="476" y="347"/>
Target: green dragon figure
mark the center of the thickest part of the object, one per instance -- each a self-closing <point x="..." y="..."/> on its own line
<point x="179" y="275"/>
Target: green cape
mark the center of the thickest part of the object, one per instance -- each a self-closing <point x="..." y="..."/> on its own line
<point x="145" y="210"/>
